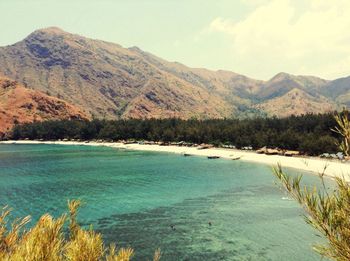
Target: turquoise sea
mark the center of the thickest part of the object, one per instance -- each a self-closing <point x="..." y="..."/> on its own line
<point x="133" y="197"/>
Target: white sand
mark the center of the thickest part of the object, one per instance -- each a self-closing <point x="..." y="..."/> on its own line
<point x="334" y="168"/>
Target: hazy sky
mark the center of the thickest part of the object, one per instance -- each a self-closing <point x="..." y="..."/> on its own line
<point x="258" y="38"/>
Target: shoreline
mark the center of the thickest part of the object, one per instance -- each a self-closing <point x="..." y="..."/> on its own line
<point x="311" y="164"/>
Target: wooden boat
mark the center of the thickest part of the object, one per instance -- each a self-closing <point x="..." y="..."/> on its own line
<point x="213" y="157"/>
<point x="187" y="154"/>
<point x="236" y="158"/>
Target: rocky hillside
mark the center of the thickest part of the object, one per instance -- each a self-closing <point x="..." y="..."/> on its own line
<point x="296" y="102"/>
<point x="338" y="90"/>
<point x="282" y="83"/>
<point x="109" y="81"/>
<point x="105" y="79"/>
<point x="19" y="105"/>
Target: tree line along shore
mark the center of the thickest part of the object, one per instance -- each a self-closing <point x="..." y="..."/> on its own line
<point x="308" y="134"/>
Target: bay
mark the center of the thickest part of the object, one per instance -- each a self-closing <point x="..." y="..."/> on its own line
<point x="150" y="200"/>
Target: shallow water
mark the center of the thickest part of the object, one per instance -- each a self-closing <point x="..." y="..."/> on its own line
<point x="132" y="198"/>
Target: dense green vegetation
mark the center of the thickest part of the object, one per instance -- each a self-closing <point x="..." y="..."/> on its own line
<point x="308" y="133"/>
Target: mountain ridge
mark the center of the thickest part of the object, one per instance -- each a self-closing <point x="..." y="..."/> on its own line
<point x="296" y="102"/>
<point x="110" y="81"/>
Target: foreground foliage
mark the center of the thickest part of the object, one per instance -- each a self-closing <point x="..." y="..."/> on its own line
<point x="307" y="133"/>
<point x="343" y="129"/>
<point x="46" y="240"/>
<point x="328" y="212"/>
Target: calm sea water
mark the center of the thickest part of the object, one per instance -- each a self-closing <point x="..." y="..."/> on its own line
<point x="133" y="197"/>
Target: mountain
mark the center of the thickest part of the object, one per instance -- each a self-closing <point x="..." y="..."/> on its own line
<point x="105" y="79"/>
<point x="19" y="105"/>
<point x="230" y="86"/>
<point x="296" y="102"/>
<point x="338" y="90"/>
<point x="109" y="81"/>
<point x="282" y="83"/>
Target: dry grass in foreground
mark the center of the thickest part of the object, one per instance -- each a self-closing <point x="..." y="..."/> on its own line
<point x="47" y="241"/>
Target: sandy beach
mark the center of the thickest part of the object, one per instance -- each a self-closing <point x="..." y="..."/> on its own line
<point x="334" y="168"/>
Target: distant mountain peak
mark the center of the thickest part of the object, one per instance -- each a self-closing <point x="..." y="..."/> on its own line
<point x="281" y="76"/>
<point x="296" y="102"/>
<point x="51" y="30"/>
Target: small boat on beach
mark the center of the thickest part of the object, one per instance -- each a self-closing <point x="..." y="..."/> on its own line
<point x="213" y="157"/>
<point x="187" y="154"/>
<point x="236" y="158"/>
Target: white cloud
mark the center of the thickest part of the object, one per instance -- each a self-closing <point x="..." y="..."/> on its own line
<point x="281" y="35"/>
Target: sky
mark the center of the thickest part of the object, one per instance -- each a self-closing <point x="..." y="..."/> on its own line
<point x="257" y="38"/>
